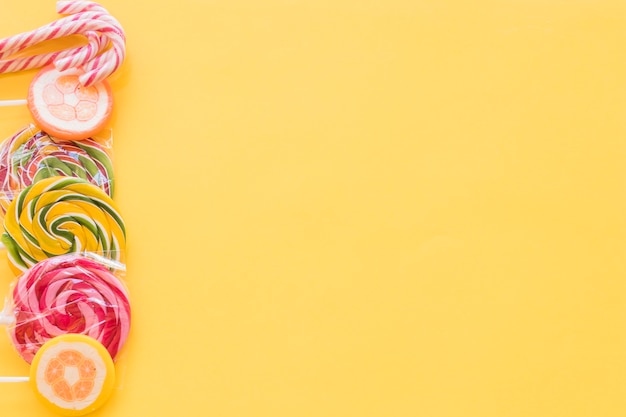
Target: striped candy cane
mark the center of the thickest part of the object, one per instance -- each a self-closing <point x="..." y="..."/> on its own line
<point x="70" y="25"/>
<point x="78" y="6"/>
<point x="100" y="57"/>
<point x="68" y="58"/>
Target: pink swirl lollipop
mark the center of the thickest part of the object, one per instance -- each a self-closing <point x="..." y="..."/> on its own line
<point x="69" y="294"/>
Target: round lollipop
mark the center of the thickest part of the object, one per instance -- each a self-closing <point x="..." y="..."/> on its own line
<point x="31" y="155"/>
<point x="69" y="294"/>
<point x="71" y="375"/>
<point x="64" y="108"/>
<point x="61" y="215"/>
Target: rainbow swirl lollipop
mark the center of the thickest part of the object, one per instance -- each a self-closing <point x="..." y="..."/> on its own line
<point x="31" y="155"/>
<point x="61" y="215"/>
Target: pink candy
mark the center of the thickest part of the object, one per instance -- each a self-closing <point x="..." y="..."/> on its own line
<point x="69" y="294"/>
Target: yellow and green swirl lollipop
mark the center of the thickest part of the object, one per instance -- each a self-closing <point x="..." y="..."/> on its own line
<point x="60" y="215"/>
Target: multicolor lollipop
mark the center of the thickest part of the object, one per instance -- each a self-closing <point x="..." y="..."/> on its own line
<point x="69" y="294"/>
<point x="61" y="215"/>
<point x="31" y="155"/>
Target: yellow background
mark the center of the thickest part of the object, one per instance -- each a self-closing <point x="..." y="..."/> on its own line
<point x="365" y="207"/>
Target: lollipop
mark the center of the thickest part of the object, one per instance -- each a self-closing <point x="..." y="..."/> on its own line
<point x="64" y="108"/>
<point x="69" y="294"/>
<point x="31" y="155"/>
<point x="71" y="375"/>
<point x="61" y="215"/>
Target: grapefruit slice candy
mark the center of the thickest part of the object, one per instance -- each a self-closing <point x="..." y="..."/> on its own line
<point x="64" y="108"/>
<point x="72" y="374"/>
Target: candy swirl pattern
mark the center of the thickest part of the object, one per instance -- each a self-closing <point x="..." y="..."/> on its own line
<point x="69" y="294"/>
<point x="31" y="155"/>
<point x="61" y="215"/>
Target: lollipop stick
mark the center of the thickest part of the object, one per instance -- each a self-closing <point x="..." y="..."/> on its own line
<point x="14" y="379"/>
<point x="7" y="103"/>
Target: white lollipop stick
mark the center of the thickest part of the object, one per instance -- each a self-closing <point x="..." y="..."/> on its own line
<point x="7" y="319"/>
<point x="14" y="379"/>
<point x="8" y="103"/>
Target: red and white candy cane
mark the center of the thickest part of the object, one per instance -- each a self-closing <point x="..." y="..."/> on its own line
<point x="78" y="6"/>
<point x="97" y="67"/>
<point x="102" y="56"/>
<point x="63" y="60"/>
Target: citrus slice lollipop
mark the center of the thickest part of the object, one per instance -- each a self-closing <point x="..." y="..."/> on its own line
<point x="64" y="108"/>
<point x="72" y="375"/>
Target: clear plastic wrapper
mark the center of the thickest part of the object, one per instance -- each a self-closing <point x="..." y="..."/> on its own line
<point x="70" y="294"/>
<point x="32" y="154"/>
<point x="62" y="215"/>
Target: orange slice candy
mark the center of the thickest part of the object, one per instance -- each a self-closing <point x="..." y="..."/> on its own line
<point x="63" y="108"/>
<point x="72" y="374"/>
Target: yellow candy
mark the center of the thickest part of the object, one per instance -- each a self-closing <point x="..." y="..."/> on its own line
<point x="72" y="375"/>
<point x="60" y="215"/>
